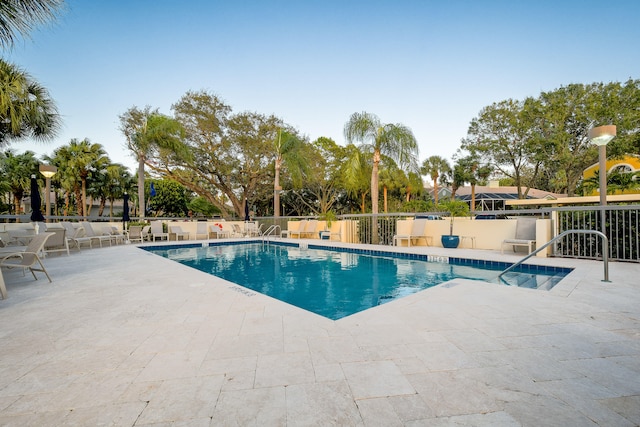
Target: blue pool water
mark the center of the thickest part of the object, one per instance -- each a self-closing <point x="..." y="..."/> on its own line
<point x="338" y="283"/>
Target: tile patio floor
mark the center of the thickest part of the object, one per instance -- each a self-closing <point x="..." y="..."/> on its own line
<point x="126" y="338"/>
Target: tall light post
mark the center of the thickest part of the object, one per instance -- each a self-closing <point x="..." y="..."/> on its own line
<point x="601" y="136"/>
<point x="48" y="171"/>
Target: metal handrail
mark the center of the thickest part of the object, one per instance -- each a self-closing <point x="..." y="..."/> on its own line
<point x="270" y="230"/>
<point x="605" y="251"/>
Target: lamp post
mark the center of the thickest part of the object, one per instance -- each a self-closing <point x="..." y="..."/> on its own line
<point x="601" y="136"/>
<point x="48" y="171"/>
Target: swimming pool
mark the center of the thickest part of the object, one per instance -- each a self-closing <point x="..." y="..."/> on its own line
<point x="337" y="282"/>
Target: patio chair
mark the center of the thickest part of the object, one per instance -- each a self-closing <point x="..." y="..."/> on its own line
<point x="157" y="231"/>
<point x="89" y="232"/>
<point x="27" y="258"/>
<point x="525" y="235"/>
<point x="417" y="233"/>
<point x="75" y="236"/>
<point x="116" y="235"/>
<point x="236" y="231"/>
<point x="135" y="233"/>
<point x="335" y="231"/>
<point x="177" y="230"/>
<point x="251" y="229"/>
<point x="218" y="230"/>
<point x="309" y="231"/>
<point x="201" y="230"/>
<point x="57" y="242"/>
<point x="146" y="233"/>
<point x="296" y="232"/>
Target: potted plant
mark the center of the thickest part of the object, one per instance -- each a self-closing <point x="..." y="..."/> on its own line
<point x="328" y="217"/>
<point x="454" y="208"/>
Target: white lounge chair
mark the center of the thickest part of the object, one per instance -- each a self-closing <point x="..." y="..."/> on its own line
<point x="309" y="231"/>
<point x="90" y="232"/>
<point x="295" y="228"/>
<point x="75" y="236"/>
<point x="28" y="258"/>
<point x="57" y="242"/>
<point x="201" y="230"/>
<point x="135" y="233"/>
<point x="525" y="235"/>
<point x="417" y="233"/>
<point x="115" y="234"/>
<point x="237" y="231"/>
<point x="157" y="231"/>
<point x="180" y="234"/>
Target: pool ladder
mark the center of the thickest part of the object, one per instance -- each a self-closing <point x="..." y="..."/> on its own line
<point x="605" y="251"/>
<point x="269" y="232"/>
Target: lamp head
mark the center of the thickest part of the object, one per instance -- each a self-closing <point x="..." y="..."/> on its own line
<point x="601" y="135"/>
<point x="48" y="170"/>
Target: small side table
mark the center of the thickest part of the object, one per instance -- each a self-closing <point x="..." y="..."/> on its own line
<point x="325" y="235"/>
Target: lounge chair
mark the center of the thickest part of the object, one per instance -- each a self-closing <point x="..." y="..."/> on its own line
<point x="237" y="231"/>
<point x="310" y="230"/>
<point x="27" y="258"/>
<point x="146" y="233"/>
<point x="89" y="232"/>
<point x="251" y="229"/>
<point x="75" y="236"/>
<point x="218" y="231"/>
<point x="525" y="235"/>
<point x="180" y="234"/>
<point x="57" y="242"/>
<point x="157" y="231"/>
<point x="335" y="231"/>
<point x="135" y="233"/>
<point x="417" y="233"/>
<point x="201" y="230"/>
<point x="295" y="230"/>
<point x="116" y="235"/>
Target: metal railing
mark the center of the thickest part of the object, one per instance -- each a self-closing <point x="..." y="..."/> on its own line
<point x="622" y="228"/>
<point x="605" y="258"/>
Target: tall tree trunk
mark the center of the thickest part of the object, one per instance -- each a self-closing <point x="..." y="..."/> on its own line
<point x="276" y="189"/>
<point x="374" y="197"/>
<point x="141" y="186"/>
<point x="103" y="204"/>
<point x="473" y="197"/>
<point x="85" y="209"/>
<point x="435" y="188"/>
<point x="384" y="189"/>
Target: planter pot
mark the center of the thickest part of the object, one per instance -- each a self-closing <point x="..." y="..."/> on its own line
<point x="450" y="241"/>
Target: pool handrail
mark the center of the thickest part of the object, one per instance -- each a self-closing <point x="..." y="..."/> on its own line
<point x="605" y="251"/>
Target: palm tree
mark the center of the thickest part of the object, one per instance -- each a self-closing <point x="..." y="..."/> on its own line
<point x="26" y="109"/>
<point x="414" y="185"/>
<point x="357" y="174"/>
<point x="119" y="182"/>
<point x="17" y="169"/>
<point x="288" y="148"/>
<point x="436" y="167"/>
<point x="148" y="130"/>
<point x="19" y="17"/>
<point x="392" y="140"/>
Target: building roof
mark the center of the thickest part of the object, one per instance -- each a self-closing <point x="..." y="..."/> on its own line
<point x="504" y="193"/>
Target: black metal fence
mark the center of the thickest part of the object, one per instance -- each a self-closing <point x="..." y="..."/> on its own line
<point x="622" y="227"/>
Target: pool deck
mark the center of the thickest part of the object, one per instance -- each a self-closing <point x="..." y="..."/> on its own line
<point x="126" y="338"/>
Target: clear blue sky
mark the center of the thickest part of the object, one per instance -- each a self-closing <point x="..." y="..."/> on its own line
<point x="431" y="65"/>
